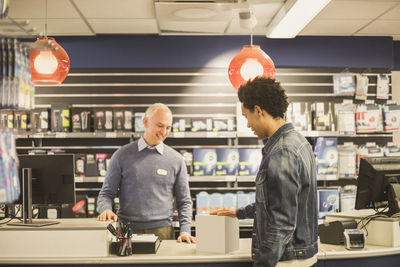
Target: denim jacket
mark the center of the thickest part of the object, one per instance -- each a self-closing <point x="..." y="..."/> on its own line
<point x="285" y="211"/>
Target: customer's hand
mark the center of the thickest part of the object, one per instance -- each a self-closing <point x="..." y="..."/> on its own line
<point x="107" y="215"/>
<point x="186" y="238"/>
<point x="224" y="212"/>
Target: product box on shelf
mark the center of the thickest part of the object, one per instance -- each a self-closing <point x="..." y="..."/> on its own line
<point x="222" y="124"/>
<point x="227" y="161"/>
<point x="179" y="124"/>
<point x="81" y="119"/>
<point x="39" y="120"/>
<point x="91" y="165"/>
<point x="202" y="203"/>
<point x="103" y="119"/>
<point x="7" y="119"/>
<point x="347" y="165"/>
<point x="60" y="118"/>
<point x="139" y="127"/>
<point x="204" y="161"/>
<point x="123" y="118"/>
<point x="391" y="117"/>
<point x="344" y="84"/>
<point x="229" y="201"/>
<point x="20" y="120"/>
<point x="188" y="156"/>
<point x="369" y="118"/>
<point x="326" y="152"/>
<point x="201" y="125"/>
<point x="216" y="201"/>
<point x="249" y="161"/>
<point x="101" y="164"/>
<point x="80" y="163"/>
<point x="328" y="201"/>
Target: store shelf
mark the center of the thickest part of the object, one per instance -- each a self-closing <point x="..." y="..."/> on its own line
<point x="212" y="178"/>
<point x="242" y="223"/>
<point x="99" y="179"/>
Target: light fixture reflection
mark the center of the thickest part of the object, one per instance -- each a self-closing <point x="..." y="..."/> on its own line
<point x="45" y="63"/>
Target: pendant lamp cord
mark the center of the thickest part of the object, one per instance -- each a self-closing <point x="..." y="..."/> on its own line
<point x="251" y="37"/>
<point x="45" y="21"/>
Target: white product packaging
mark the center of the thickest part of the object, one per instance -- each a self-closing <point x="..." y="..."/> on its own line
<point x="369" y="118"/>
<point x="217" y="234"/>
<point x="362" y="87"/>
<point x="346" y="121"/>
<point x="347" y="160"/>
<point x="382" y="86"/>
<point x="391" y="117"/>
<point x="344" y="84"/>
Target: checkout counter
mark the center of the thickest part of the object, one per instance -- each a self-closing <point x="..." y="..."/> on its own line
<point x="85" y="242"/>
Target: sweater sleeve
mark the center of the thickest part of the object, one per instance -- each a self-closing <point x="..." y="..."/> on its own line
<point x="183" y="199"/>
<point x="110" y="186"/>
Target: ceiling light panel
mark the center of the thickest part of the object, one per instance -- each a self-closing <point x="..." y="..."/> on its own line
<point x="103" y="9"/>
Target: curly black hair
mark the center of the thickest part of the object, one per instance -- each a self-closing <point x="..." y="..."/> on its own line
<point x="266" y="93"/>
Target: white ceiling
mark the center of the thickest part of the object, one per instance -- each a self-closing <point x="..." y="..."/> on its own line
<point x="169" y="17"/>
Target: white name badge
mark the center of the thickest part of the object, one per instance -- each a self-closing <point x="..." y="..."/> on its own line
<point x="161" y="172"/>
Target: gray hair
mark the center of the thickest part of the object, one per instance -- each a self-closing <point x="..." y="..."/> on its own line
<point x="153" y="108"/>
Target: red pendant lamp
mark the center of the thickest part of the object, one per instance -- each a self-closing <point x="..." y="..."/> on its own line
<point x="248" y="64"/>
<point x="49" y="62"/>
<point x="251" y="60"/>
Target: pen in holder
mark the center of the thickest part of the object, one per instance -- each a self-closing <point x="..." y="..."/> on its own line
<point x="124" y="246"/>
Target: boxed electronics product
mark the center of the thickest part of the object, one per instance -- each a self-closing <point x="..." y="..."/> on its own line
<point x="204" y="161"/>
<point x="299" y="115"/>
<point x="347" y="166"/>
<point x="139" y="126"/>
<point x="227" y="161"/>
<point x="7" y="119"/>
<point x="344" y="84"/>
<point x="188" y="156"/>
<point x="91" y="169"/>
<point x="328" y="201"/>
<point x="222" y="124"/>
<point x="242" y="199"/>
<point x="101" y="164"/>
<point x="81" y="119"/>
<point x="179" y="124"/>
<point x="80" y="162"/>
<point x="249" y="161"/>
<point x="39" y="120"/>
<point x="391" y="150"/>
<point x="348" y="198"/>
<point x="123" y="118"/>
<point x="20" y="120"/>
<point x="208" y="227"/>
<point x="326" y="153"/>
<point x="346" y="119"/>
<point x="391" y="117"/>
<point x="322" y="119"/>
<point x="369" y="118"/>
<point x="103" y="119"/>
<point x="216" y="201"/>
<point x="60" y="118"/>
<point x="229" y="201"/>
<point x="201" y="125"/>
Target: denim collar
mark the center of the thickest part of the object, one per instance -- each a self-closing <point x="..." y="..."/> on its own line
<point x="142" y="145"/>
<point x="268" y="142"/>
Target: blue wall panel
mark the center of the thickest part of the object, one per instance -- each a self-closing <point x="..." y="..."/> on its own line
<point x="396" y="52"/>
<point x="150" y="51"/>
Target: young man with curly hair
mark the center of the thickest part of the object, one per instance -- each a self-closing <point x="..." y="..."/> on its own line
<point x="285" y="211"/>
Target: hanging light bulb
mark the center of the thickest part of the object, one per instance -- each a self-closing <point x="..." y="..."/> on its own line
<point x="45" y="63"/>
<point x="49" y="62"/>
<point x="251" y="60"/>
<point x="248" y="64"/>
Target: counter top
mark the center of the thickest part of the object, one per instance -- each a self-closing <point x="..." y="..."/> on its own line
<point x="170" y="251"/>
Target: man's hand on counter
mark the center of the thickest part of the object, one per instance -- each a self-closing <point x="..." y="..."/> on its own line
<point x="224" y="212"/>
<point x="107" y="215"/>
<point x="186" y="238"/>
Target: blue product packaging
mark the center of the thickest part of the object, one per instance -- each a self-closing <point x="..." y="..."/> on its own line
<point x="204" y="161"/>
<point x="326" y="152"/>
<point x="328" y="202"/>
<point x="227" y="161"/>
<point x="252" y="197"/>
<point x="216" y="201"/>
<point x="138" y="122"/>
<point x="202" y="203"/>
<point x="243" y="199"/>
<point x="229" y="201"/>
<point x="249" y="161"/>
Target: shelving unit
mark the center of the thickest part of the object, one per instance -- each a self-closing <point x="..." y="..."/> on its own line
<point x="190" y="93"/>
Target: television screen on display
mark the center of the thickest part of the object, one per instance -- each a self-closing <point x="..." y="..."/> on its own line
<point x="378" y="183"/>
<point x="52" y="178"/>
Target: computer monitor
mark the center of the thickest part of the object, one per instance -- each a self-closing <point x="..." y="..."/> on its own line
<point x="52" y="177"/>
<point x="378" y="183"/>
<point x="45" y="179"/>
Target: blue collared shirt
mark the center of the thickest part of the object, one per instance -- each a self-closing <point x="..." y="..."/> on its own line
<point x="142" y="145"/>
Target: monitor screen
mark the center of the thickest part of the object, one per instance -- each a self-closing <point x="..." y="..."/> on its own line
<point x="375" y="174"/>
<point x="52" y="178"/>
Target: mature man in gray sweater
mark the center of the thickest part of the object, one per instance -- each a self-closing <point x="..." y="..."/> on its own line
<point x="149" y="174"/>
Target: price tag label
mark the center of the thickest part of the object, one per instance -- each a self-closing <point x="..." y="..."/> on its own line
<point x="61" y="135"/>
<point x="179" y="134"/>
<point x="212" y="134"/>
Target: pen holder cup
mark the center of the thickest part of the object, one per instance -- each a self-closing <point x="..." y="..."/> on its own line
<point x="124" y="246"/>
